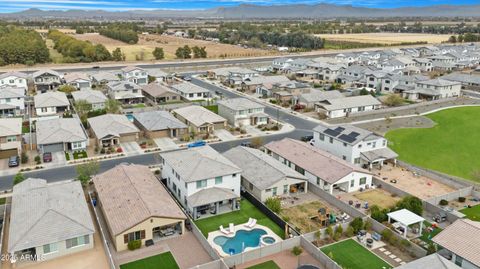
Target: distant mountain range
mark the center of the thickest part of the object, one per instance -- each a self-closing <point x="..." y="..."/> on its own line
<point x="248" y="11"/>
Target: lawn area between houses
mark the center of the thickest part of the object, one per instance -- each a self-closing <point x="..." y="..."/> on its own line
<point x="213" y="108"/>
<point x="163" y="261"/>
<point x="451" y="146"/>
<point x="265" y="265"/>
<point x="472" y="213"/>
<point x="349" y="254"/>
<point x="247" y="210"/>
<point x="427" y="237"/>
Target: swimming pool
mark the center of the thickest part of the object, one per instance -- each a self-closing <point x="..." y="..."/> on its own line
<point x="129" y="117"/>
<point x="242" y="239"/>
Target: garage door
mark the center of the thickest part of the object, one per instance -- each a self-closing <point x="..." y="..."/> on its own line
<point x="4" y="154"/>
<point x="53" y="147"/>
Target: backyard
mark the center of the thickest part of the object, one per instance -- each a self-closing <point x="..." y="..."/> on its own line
<point x="450" y="146"/>
<point x="302" y="216"/>
<point x="349" y="254"/>
<point x="164" y="261"/>
<point x="472" y="213"/>
<point x="265" y="265"/>
<point x="247" y="210"/>
<point x="378" y="197"/>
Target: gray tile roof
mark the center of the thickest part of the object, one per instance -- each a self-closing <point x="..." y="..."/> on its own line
<point x="14" y="74"/>
<point x="266" y="80"/>
<point x="59" y="130"/>
<point x="10" y="126"/>
<point x="11" y="92"/>
<point x="318" y="95"/>
<point x="47" y="213"/>
<point x="431" y="261"/>
<point x="51" y="99"/>
<point x="464" y="78"/>
<point x="91" y="96"/>
<point x="198" y="115"/>
<point x="199" y="163"/>
<point x="71" y="77"/>
<point x="259" y="168"/>
<point x="347" y="129"/>
<point x="439" y="82"/>
<point x="209" y="196"/>
<point x="158" y="120"/>
<point x="46" y="71"/>
<point x="240" y="104"/>
<point x="105" y="76"/>
<point x="157" y="90"/>
<point x="187" y="87"/>
<point x="349" y="102"/>
<point x="111" y="125"/>
<point x="132" y="68"/>
<point x="131" y="194"/>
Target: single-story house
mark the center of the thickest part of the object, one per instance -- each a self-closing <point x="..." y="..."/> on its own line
<point x="242" y="112"/>
<point x="103" y="78"/>
<point x="315" y="96"/>
<point x="343" y="107"/>
<point x="49" y="220"/>
<point x="93" y="97"/>
<point x="263" y="176"/>
<point x="10" y="137"/>
<point x="136" y="206"/>
<point x="61" y="134"/>
<point x="200" y="119"/>
<point x="322" y="169"/>
<point x="111" y="129"/>
<point x="51" y="103"/>
<point x="159" y="93"/>
<point x="80" y="81"/>
<point x="157" y="124"/>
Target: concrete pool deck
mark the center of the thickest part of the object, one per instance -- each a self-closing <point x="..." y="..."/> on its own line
<point x="240" y="227"/>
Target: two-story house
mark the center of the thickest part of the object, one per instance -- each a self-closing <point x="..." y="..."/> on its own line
<point x="125" y="92"/>
<point x="12" y="101"/>
<point x="51" y="103"/>
<point x="434" y="89"/>
<point x="96" y="99"/>
<point x="191" y="92"/>
<point x="203" y="180"/>
<point x="14" y="79"/>
<point x="354" y="145"/>
<point x="242" y="112"/>
<point x="135" y="75"/>
<point x="46" y="80"/>
<point x="10" y="137"/>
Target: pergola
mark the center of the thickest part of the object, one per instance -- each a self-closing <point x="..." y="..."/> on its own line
<point x="406" y="218"/>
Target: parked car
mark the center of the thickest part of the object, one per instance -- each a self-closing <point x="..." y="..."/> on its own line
<point x="195" y="144"/>
<point x="312" y="142"/>
<point x="440" y="217"/>
<point x="187" y="78"/>
<point x="306" y="138"/>
<point x="246" y="144"/>
<point x="13" y="161"/>
<point x="96" y="67"/>
<point x="298" y="107"/>
<point x="47" y="157"/>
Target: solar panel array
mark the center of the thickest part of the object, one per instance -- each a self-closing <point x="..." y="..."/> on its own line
<point x="351" y="137"/>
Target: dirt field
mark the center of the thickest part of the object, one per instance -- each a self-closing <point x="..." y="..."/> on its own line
<point x="301" y="215"/>
<point x="386" y="38"/>
<point x="419" y="186"/>
<point x="147" y="44"/>
<point x="377" y="197"/>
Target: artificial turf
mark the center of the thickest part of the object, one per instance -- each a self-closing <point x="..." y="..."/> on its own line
<point x="164" y="261"/>
<point x="472" y="213"/>
<point x="265" y="265"/>
<point x="451" y="146"/>
<point x="349" y="254"/>
<point x="247" y="210"/>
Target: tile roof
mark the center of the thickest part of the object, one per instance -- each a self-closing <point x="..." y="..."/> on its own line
<point x="59" y="130"/>
<point x="348" y="129"/>
<point x="14" y="74"/>
<point x="111" y="125"/>
<point x="240" y="103"/>
<point x="131" y="194"/>
<point x="158" y="120"/>
<point x="349" y="102"/>
<point x="46" y="71"/>
<point x="157" y="90"/>
<point x="91" y="96"/>
<point x="10" y="126"/>
<point x="198" y="115"/>
<point x="209" y="196"/>
<point x="11" y="92"/>
<point x="44" y="213"/>
<point x="51" y="99"/>
<point x="187" y="87"/>
<point x="431" y="261"/>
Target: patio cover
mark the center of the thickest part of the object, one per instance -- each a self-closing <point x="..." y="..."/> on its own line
<point x="209" y="196"/>
<point x="379" y="154"/>
<point x="405" y="217"/>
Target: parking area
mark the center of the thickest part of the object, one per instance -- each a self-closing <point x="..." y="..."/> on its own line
<point x="131" y="148"/>
<point x="58" y="159"/>
<point x="417" y="185"/>
<point x="165" y="143"/>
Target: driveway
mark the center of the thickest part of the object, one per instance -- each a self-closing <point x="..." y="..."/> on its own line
<point x="58" y="159"/>
<point x="254" y="131"/>
<point x="131" y="148"/>
<point x="165" y="143"/>
<point x="224" y="135"/>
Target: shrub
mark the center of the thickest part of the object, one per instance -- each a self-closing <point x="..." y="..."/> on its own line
<point x="411" y="203"/>
<point x="336" y="236"/>
<point x="368" y="225"/>
<point x="461" y="199"/>
<point x="24" y="157"/>
<point x="387" y="234"/>
<point x="157" y="172"/>
<point x="273" y="204"/>
<point x="329" y="232"/>
<point x="350" y="232"/>
<point x="135" y="244"/>
<point x="443" y="202"/>
<point x="296" y="250"/>
<point x="119" y="150"/>
<point x="102" y="151"/>
<point x="357" y="225"/>
<point x="339" y="229"/>
<point x="38" y="160"/>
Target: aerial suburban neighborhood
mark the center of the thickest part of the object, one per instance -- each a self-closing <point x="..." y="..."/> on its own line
<point x="239" y="135"/>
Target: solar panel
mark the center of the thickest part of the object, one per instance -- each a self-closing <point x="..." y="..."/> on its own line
<point x="331" y="132"/>
<point x="354" y="134"/>
<point x="339" y="129"/>
<point x="346" y="138"/>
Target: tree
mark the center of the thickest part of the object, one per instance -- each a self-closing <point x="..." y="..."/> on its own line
<point x="117" y="55"/>
<point x="82" y="107"/>
<point x="67" y="88"/>
<point x="86" y="170"/>
<point x="112" y="106"/>
<point x="393" y="100"/>
<point x="184" y="52"/>
<point x="357" y="225"/>
<point x="158" y="53"/>
<point x="274" y="204"/>
<point x="199" y="52"/>
<point x="256" y="141"/>
<point x="329" y="232"/>
<point x="18" y="178"/>
<point x="410" y="203"/>
<point x="452" y="39"/>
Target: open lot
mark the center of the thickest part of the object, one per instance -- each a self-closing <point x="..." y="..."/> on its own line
<point x="416" y="185"/>
<point x="247" y="210"/>
<point x="349" y="254"/>
<point x="147" y="43"/>
<point x="164" y="261"/>
<point x="386" y="38"/>
<point x="451" y="146"/>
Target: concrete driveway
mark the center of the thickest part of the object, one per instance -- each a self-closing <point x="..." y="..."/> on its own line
<point x="252" y="130"/>
<point x="165" y="143"/>
<point x="224" y="135"/>
<point x="131" y="148"/>
<point x="58" y="159"/>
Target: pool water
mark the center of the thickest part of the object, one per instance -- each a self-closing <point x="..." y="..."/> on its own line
<point x="129" y="117"/>
<point x="268" y="240"/>
<point x="242" y="239"/>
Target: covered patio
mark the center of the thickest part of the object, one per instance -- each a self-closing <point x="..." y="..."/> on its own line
<point x="403" y="219"/>
<point x="211" y="202"/>
<point x="378" y="156"/>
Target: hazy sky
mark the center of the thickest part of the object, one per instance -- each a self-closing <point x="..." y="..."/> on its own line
<point x="16" y="5"/>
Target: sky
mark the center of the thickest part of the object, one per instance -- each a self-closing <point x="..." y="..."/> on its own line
<point x="121" y="5"/>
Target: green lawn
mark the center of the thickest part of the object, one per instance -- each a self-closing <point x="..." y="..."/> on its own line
<point x="349" y="254"/>
<point x="164" y="261"/>
<point x="247" y="210"/>
<point x="265" y="265"/>
<point x="3" y="201"/>
<point x="139" y="106"/>
<point x="451" y="146"/>
<point x="472" y="213"/>
<point x="213" y="108"/>
<point x="426" y="237"/>
<point x="79" y="155"/>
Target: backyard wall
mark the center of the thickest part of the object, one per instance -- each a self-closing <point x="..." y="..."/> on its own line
<point x="198" y="234"/>
<point x="465" y="192"/>
<point x="351" y="211"/>
<point x="318" y="255"/>
<point x="433" y="209"/>
<point x="218" y="264"/>
<point x="311" y="236"/>
<point x="390" y="188"/>
<point x="4" y="211"/>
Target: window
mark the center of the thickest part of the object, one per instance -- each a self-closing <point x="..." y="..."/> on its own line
<point x="374" y="144"/>
<point x="174" y="187"/>
<point x="186" y="186"/>
<point x="458" y="260"/>
<point x="360" y="146"/>
<point x="300" y="170"/>
<point x="50" y="248"/>
<point x="331" y="140"/>
<point x="201" y="184"/>
<point x="318" y="181"/>
<point x="352" y="183"/>
<point x="322" y="137"/>
<point x="234" y="175"/>
<point x="285" y="189"/>
<point x="384" y="142"/>
<point x="250" y="186"/>
<point x="43" y="109"/>
<point x="11" y="138"/>
<point x="363" y="181"/>
<point x="344" y="157"/>
<point x="78" y="241"/>
<point x="179" y="193"/>
<point x="344" y="144"/>
<point x="77" y="145"/>
<point x="274" y="191"/>
<point x="218" y="180"/>
<point x="138" y="235"/>
<point x="356" y="160"/>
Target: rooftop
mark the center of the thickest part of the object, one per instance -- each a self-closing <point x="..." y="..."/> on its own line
<point x="10" y="126"/>
<point x="91" y="96"/>
<point x="347" y="133"/>
<point x="198" y="115"/>
<point x="58" y="130"/>
<point x="111" y="125"/>
<point x="349" y="102"/>
<point x="240" y="104"/>
<point x="51" y="99"/>
<point x="158" y="120"/>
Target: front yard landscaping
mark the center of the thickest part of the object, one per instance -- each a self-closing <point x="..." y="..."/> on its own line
<point x="80" y="155"/>
<point x="349" y="254"/>
<point x="472" y="213"/>
<point x="164" y="261"/>
<point x="265" y="265"/>
<point x="450" y="147"/>
<point x="247" y="210"/>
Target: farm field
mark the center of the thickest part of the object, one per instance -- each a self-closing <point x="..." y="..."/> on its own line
<point x="147" y="43"/>
<point x="451" y="146"/>
<point x="386" y="38"/>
